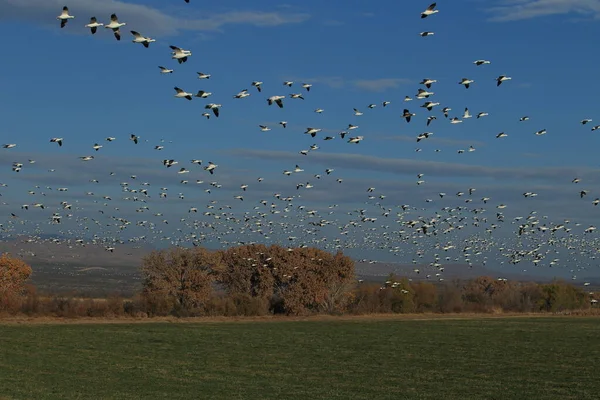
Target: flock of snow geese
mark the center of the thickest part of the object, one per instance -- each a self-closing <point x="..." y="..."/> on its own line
<point x="429" y="237"/>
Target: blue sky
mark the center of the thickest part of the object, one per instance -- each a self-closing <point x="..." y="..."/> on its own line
<point x="68" y="83"/>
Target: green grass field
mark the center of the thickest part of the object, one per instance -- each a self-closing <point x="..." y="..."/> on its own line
<point x="500" y="358"/>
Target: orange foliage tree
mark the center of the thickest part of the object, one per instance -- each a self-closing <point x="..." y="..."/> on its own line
<point x="185" y="276"/>
<point x="14" y="273"/>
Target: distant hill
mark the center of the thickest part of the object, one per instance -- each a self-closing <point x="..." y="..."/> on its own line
<point x="60" y="264"/>
<point x="451" y="271"/>
<point x="92" y="255"/>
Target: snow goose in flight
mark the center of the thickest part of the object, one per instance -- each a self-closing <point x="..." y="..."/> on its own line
<point x="288" y="83"/>
<point x="115" y="25"/>
<point x="424" y="94"/>
<point x="482" y="114"/>
<point x="430" y="118"/>
<point x="164" y="70"/>
<point x="307" y="86"/>
<point x="312" y="131"/>
<point x="595" y="127"/>
<point x="319" y="110"/>
<point x="407" y="98"/>
<point x="86" y="158"/>
<point x="181" y="94"/>
<point x="585" y="121"/>
<point x="9" y="146"/>
<point x="385" y="103"/>
<point x="211" y="167"/>
<point x="296" y="96"/>
<point x="541" y="132"/>
<point x="426" y="33"/>
<point x="110" y="139"/>
<point x="429" y="105"/>
<point x="138" y="38"/>
<point x="283" y="123"/>
<point x="214" y="107"/>
<point x="207" y="115"/>
<point x="200" y="74"/>
<point x="407" y="115"/>
<point x="257" y="84"/>
<point x="501" y="135"/>
<point x="64" y="16"/>
<point x="97" y="146"/>
<point x="134" y="138"/>
<point x="429" y="11"/>
<point x="428" y="82"/>
<point x="525" y="118"/>
<point x="466" y="82"/>
<point x="93" y="25"/>
<point x="357" y="113"/>
<point x="455" y="120"/>
<point x="355" y="139"/>
<point x="57" y="140"/>
<point x="481" y="62"/>
<point x="277" y="100"/>
<point x="445" y="110"/>
<point x="242" y="94"/>
<point x="180" y="54"/>
<point x="264" y="128"/>
<point x="423" y="135"/>
<point x="501" y="79"/>
<point x="466" y="114"/>
<point x="371" y="106"/>
<point x="202" y="94"/>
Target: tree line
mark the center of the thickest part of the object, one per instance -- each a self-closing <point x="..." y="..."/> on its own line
<point x="255" y="279"/>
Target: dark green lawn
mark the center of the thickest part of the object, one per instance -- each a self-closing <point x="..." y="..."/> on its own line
<point x="508" y="358"/>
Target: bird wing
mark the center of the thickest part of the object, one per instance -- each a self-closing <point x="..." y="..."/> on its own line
<point x="178" y="90"/>
<point x="431" y="7"/>
<point x="93" y="20"/>
<point x="114" y="18"/>
<point x="136" y="34"/>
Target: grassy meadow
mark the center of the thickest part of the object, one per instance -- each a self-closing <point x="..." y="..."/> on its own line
<point x="362" y="358"/>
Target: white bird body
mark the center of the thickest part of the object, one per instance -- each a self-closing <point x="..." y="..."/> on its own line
<point x="429" y="11"/>
<point x="179" y="54"/>
<point x="64" y="16"/>
<point x="138" y="38"/>
<point x="94" y="25"/>
<point x="164" y="70"/>
<point x="182" y="94"/>
<point x="466" y="82"/>
<point x="115" y="25"/>
<point x="277" y="100"/>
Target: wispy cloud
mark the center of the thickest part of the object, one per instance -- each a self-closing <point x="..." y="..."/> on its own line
<point x="433" y="168"/>
<point x="334" y="82"/>
<point x="435" y="140"/>
<point x="513" y="10"/>
<point x="380" y="85"/>
<point x="145" y="18"/>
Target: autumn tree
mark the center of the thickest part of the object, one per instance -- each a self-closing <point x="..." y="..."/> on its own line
<point x="245" y="270"/>
<point x="180" y="276"/>
<point x="14" y="273"/>
<point x="295" y="281"/>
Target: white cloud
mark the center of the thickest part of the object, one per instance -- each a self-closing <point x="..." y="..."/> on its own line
<point x="380" y="85"/>
<point x="432" y="168"/>
<point x="145" y="18"/>
<point x="513" y="10"/>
